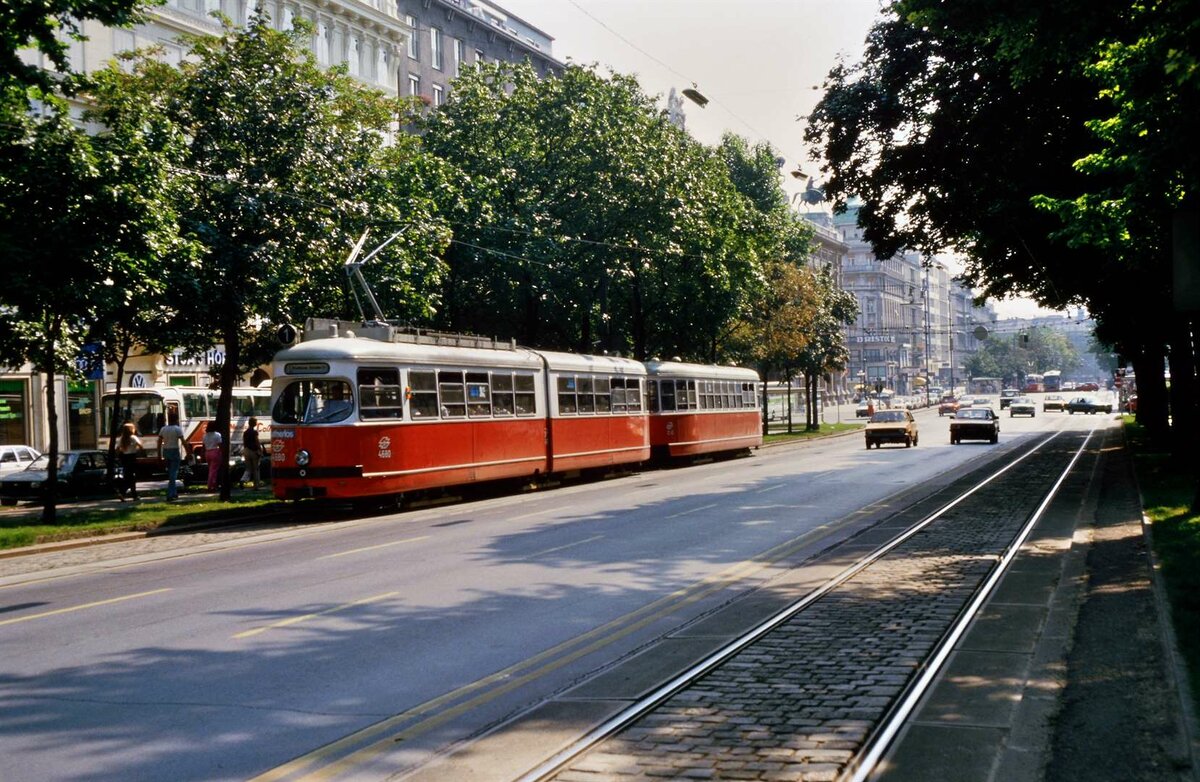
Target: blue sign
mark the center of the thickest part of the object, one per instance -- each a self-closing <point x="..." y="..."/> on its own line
<point x="90" y="361"/>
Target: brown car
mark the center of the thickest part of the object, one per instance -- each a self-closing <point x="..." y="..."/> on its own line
<point x="892" y="426"/>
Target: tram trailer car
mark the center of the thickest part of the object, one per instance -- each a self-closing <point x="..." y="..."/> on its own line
<point x="388" y="412"/>
<point x="698" y="409"/>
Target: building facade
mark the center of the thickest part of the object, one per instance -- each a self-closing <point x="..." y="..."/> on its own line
<point x="401" y="47"/>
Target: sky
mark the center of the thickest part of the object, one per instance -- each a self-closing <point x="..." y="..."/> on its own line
<point x="761" y="63"/>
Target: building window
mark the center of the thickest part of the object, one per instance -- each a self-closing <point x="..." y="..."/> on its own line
<point x="460" y="53"/>
<point x="479" y="58"/>
<point x="439" y="95"/>
<point x="413" y="51"/>
<point x="414" y="85"/>
<point x="435" y="47"/>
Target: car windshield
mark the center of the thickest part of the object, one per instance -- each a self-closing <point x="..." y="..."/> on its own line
<point x="980" y="413"/>
<point x="43" y="462"/>
<point x="887" y="417"/>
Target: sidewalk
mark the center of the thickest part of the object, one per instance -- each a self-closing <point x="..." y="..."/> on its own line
<point x="1070" y="672"/>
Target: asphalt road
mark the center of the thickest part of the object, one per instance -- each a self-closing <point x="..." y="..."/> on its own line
<point x="225" y="659"/>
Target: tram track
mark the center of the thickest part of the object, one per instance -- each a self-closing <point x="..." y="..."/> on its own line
<point x="960" y="534"/>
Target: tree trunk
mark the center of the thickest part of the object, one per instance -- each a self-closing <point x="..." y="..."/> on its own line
<point x="50" y="508"/>
<point x="122" y="358"/>
<point x="229" y="375"/>
<point x="1152" y="395"/>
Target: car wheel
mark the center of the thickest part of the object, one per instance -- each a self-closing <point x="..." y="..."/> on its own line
<point x="995" y="439"/>
<point x="907" y="441"/>
<point x="868" y="445"/>
<point x="916" y="439"/>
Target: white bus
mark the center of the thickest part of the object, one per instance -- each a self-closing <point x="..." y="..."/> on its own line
<point x="149" y="408"/>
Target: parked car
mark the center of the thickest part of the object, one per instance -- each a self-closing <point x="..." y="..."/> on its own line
<point x="1089" y="405"/>
<point x="1007" y="396"/>
<point x="80" y="473"/>
<point x="1022" y="405"/>
<point x="1053" y="402"/>
<point x="16" y="457"/>
<point x="892" y="426"/>
<point x="975" y="423"/>
<point x="948" y="405"/>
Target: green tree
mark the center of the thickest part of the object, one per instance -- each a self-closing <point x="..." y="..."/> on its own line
<point x="1048" y="144"/>
<point x="49" y="26"/>
<point x="98" y="207"/>
<point x="585" y="221"/>
<point x="285" y="166"/>
<point x="826" y="350"/>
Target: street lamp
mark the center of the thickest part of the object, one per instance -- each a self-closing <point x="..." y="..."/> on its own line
<point x="927" y="265"/>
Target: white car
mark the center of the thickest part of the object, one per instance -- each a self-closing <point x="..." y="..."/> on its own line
<point x="16" y="457"/>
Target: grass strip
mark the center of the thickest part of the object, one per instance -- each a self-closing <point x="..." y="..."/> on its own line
<point x="28" y="530"/>
<point x="1167" y="490"/>
<point x="803" y="434"/>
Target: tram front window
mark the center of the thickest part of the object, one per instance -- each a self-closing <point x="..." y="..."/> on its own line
<point x="314" y="402"/>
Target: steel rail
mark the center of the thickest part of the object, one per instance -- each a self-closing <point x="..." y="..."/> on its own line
<point x="882" y="738"/>
<point x="647" y="703"/>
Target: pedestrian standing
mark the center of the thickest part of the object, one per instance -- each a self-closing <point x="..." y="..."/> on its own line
<point x="170" y="448"/>
<point x="212" y="453"/>
<point x="252" y="450"/>
<point x="128" y="448"/>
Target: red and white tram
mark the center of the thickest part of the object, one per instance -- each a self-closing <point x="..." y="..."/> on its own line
<point x="697" y="409"/>
<point x="389" y="412"/>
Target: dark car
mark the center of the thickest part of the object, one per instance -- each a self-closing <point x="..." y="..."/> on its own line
<point x="80" y="473"/>
<point x="1089" y="405"/>
<point x="975" y="423"/>
<point x="1007" y="396"/>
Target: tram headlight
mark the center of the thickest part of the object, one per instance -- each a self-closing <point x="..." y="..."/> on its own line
<point x="303" y="457"/>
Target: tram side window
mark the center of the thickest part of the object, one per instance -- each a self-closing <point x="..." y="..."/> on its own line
<point x="652" y="396"/>
<point x="633" y="394"/>
<point x="626" y="395"/>
<point x="730" y="396"/>
<point x="380" y="394"/>
<point x="666" y="395"/>
<point x="526" y="396"/>
<point x="479" y="395"/>
<point x="602" y="391"/>
<point x="748" y="400"/>
<point x="587" y="402"/>
<point x="567" y="402"/>
<point x="502" y="394"/>
<point x="424" y="394"/>
<point x="451" y="394"/>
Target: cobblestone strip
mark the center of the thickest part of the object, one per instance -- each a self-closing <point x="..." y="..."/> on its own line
<point x="800" y="703"/>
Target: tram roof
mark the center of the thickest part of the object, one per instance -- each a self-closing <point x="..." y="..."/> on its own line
<point x="584" y="363"/>
<point x="706" y="371"/>
<point x="365" y="350"/>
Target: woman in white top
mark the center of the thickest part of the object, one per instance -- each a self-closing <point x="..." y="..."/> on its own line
<point x="128" y="448"/>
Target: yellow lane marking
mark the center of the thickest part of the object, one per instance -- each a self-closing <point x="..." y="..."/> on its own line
<point x="560" y="548"/>
<point x="372" y="548"/>
<point x="592" y="640"/>
<point x="297" y="619"/>
<point x="693" y="510"/>
<point x="81" y="607"/>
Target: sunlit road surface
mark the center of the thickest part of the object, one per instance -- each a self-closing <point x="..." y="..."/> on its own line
<point x="360" y="648"/>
